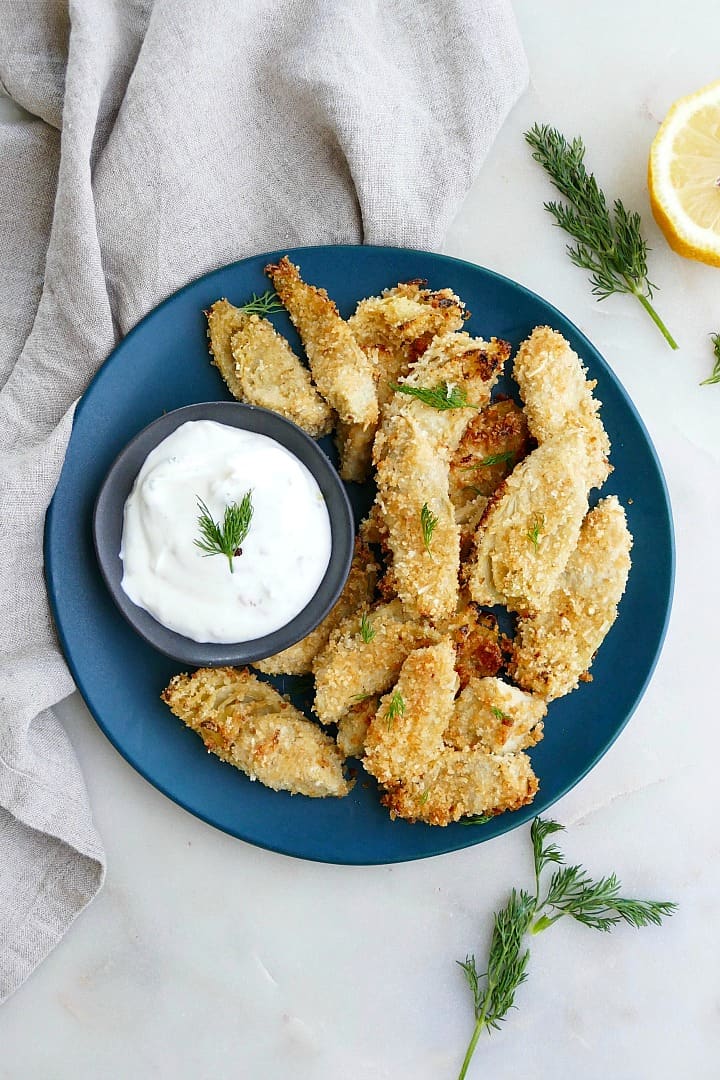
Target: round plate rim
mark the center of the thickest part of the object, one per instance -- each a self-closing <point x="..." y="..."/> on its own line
<point x="508" y="822"/>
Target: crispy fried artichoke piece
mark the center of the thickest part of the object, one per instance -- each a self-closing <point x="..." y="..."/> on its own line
<point x="248" y="724"/>
<point x="552" y="651"/>
<point x="530" y="527"/>
<point x="342" y="371"/>
<point x="494" y="442"/>
<point x="350" y="668"/>
<point x="424" y="778"/>
<point x="394" y="330"/>
<point x="260" y="368"/>
<point x="558" y="397"/>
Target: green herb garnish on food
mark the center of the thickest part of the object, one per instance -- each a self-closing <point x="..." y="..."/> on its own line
<point x="533" y="534"/>
<point x="428" y="524"/>
<point x="498" y="713"/>
<point x="367" y="632"/>
<point x="493" y="459"/>
<point x="443" y="396"/>
<point x="263" y="305"/>
<point x="476" y="819"/>
<point x="608" y="242"/>
<point x="596" y="904"/>
<point x="395" y="708"/>
<point x="225" y="539"/>
<point x="715" y="377"/>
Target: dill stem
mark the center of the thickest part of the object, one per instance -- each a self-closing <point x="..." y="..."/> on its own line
<point x="543" y="922"/>
<point x="656" y="319"/>
<point x="479" y="1025"/>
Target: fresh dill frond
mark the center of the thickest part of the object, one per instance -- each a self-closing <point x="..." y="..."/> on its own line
<point x="360" y="697"/>
<point x="608" y="242"/>
<point x="571" y="891"/>
<point x="428" y="524"/>
<point x="494" y="991"/>
<point x="715" y="376"/>
<point x="498" y="713"/>
<point x="533" y="534"/>
<point x="367" y="631"/>
<point x="502" y="458"/>
<point x="425" y="796"/>
<point x="443" y="396"/>
<point x="395" y="708"/>
<point x="476" y="819"/>
<point x="596" y="904"/>
<point x="225" y="539"/>
<point x="263" y="305"/>
<point x="544" y="853"/>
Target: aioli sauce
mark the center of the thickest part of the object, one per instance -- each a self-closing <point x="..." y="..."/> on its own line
<point x="284" y="555"/>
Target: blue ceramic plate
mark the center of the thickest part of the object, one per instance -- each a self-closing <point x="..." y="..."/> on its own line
<point x="163" y="364"/>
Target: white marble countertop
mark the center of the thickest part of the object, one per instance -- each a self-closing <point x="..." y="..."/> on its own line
<point x="204" y="957"/>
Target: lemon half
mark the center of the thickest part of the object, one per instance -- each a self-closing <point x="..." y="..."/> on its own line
<point x="684" y="175"/>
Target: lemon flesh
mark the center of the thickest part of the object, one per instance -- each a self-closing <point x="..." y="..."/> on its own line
<point x="684" y="176"/>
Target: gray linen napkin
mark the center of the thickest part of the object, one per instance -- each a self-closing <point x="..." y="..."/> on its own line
<point x="165" y="140"/>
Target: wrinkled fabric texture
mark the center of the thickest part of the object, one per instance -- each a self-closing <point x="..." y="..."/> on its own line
<point x="165" y="139"/>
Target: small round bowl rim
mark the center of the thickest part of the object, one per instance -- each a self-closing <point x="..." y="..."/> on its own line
<point x="107" y="531"/>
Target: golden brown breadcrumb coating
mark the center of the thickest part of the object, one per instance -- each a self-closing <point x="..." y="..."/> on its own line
<point x="477" y="644"/>
<point x="553" y="650"/>
<point x="353" y="726"/>
<point x="223" y="320"/>
<point x="354" y="443"/>
<point x="558" y="398"/>
<point x="468" y="364"/>
<point x="358" y="591"/>
<point x="394" y="330"/>
<point x="349" y="668"/>
<point x="403" y="742"/>
<point x="249" y="725"/>
<point x="412" y="475"/>
<point x="272" y="376"/>
<point x="497" y="716"/>
<point x="530" y="527"/>
<point x="425" y="779"/>
<point x="340" y="368"/>
<point x="495" y="441"/>
<point x="412" y="451"/>
<point x="406" y="318"/>
<point x="260" y="368"/>
<point x="462" y="783"/>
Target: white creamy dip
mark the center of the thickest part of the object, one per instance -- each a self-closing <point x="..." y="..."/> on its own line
<point x="284" y="555"/>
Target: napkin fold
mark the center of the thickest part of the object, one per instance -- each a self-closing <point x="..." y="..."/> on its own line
<point x="165" y="139"/>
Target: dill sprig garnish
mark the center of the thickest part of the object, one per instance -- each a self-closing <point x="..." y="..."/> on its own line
<point x="443" y="396"/>
<point x="225" y="539"/>
<point x="476" y="819"/>
<point x="367" y="631"/>
<point x="608" y="242"/>
<point x="715" y="377"/>
<point x="428" y="524"/>
<point x="502" y="458"/>
<point x="571" y="891"/>
<point x="533" y="534"/>
<point x="263" y="305"/>
<point x="498" y="713"/>
<point x="395" y="708"/>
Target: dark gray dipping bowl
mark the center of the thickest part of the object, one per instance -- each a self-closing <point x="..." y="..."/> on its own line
<point x="108" y="526"/>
